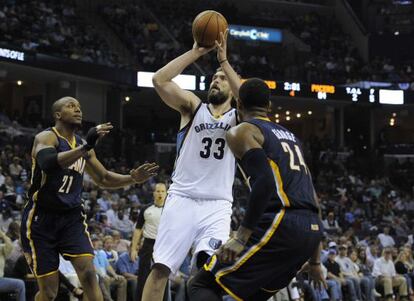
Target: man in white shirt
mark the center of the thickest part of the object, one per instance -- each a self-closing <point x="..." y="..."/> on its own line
<point x="348" y="270"/>
<point x="386" y="276"/>
<point x="385" y="238"/>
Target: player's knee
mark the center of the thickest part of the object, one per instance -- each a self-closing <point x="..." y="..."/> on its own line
<point x="87" y="276"/>
<point x="160" y="272"/>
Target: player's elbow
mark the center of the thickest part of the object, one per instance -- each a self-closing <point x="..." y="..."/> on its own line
<point x="157" y="79"/>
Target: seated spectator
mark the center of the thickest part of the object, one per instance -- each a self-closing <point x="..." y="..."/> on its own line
<point x="385" y="238"/>
<point x="107" y="276"/>
<point x="367" y="284"/>
<point x="334" y="275"/>
<point x="123" y="224"/>
<point x="349" y="272"/>
<point x="128" y="268"/>
<point x="15" y="168"/>
<point x="11" y="285"/>
<point x="404" y="268"/>
<point x="111" y="254"/>
<point x="365" y="270"/>
<point x="386" y="276"/>
<point x="120" y="245"/>
<point x="330" y="224"/>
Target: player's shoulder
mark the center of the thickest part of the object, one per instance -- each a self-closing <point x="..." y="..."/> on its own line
<point x="243" y="129"/>
<point x="45" y="136"/>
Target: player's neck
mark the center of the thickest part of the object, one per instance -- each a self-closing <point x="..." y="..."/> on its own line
<point x="65" y="131"/>
<point x="247" y="115"/>
<point x="220" y="109"/>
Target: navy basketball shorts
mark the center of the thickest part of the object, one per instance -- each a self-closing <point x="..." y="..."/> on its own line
<point x="277" y="249"/>
<point x="47" y="234"/>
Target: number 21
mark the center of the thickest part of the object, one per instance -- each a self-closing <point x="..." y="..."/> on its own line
<point x="67" y="181"/>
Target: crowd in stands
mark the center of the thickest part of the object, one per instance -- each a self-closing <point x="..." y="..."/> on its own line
<point x="54" y="28"/>
<point x="154" y="36"/>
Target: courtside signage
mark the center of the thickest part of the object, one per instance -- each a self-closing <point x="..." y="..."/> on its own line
<point x="12" y="54"/>
<point x="255" y="33"/>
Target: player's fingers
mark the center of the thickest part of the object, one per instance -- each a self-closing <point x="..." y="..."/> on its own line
<point x="153" y="169"/>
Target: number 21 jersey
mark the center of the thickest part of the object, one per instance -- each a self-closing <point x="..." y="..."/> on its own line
<point x="205" y="166"/>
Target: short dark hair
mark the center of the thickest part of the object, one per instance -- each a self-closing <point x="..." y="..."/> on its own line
<point x="254" y="92"/>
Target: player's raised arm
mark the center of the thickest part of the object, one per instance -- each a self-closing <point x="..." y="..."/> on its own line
<point x="232" y="76"/>
<point x="111" y="180"/>
<point x="181" y="100"/>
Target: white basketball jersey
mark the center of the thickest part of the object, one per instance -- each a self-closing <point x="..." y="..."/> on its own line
<point x="205" y="166"/>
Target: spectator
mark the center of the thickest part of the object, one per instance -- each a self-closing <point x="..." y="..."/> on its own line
<point x="386" y="276"/>
<point x="9" y="284"/>
<point x="404" y="268"/>
<point x="105" y="201"/>
<point x="15" y="168"/>
<point x="349" y="272"/>
<point x="108" y="278"/>
<point x="111" y="254"/>
<point x="123" y="224"/>
<point x="120" y="245"/>
<point x="128" y="268"/>
<point x="330" y="224"/>
<point x="385" y="238"/>
<point x="334" y="275"/>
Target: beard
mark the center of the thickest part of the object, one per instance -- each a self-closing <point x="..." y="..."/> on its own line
<point x="216" y="98"/>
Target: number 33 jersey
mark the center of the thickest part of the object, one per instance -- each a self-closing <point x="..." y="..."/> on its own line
<point x="205" y="166"/>
<point x="61" y="189"/>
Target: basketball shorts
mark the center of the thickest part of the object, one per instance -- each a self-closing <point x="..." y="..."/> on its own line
<point x="187" y="224"/>
<point x="277" y="249"/>
<point x="46" y="234"/>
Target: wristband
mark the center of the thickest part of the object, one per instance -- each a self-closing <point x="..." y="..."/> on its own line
<point x="314" y="263"/>
<point x="221" y="62"/>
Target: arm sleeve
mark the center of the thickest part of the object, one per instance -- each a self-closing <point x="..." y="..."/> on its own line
<point x="262" y="183"/>
<point x="141" y="218"/>
<point x="47" y="159"/>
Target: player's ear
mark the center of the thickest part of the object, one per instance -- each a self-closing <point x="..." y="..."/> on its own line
<point x="57" y="115"/>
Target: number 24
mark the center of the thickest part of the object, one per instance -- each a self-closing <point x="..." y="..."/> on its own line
<point x="286" y="147"/>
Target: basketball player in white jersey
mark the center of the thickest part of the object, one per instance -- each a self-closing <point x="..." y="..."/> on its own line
<point x="197" y="211"/>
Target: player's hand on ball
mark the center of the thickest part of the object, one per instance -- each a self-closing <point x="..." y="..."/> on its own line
<point x="144" y="172"/>
<point x="222" y="46"/>
<point x="229" y="252"/>
<point x="315" y="275"/>
<point x="202" y="50"/>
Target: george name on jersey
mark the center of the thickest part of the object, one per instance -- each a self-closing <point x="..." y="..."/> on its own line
<point x="78" y="166"/>
<point x="284" y="135"/>
<point x="212" y="126"/>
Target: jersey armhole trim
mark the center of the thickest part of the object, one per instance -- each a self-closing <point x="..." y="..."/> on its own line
<point x="261" y="130"/>
<point x="191" y="119"/>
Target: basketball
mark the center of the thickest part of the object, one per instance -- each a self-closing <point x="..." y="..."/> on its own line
<point x="207" y="27"/>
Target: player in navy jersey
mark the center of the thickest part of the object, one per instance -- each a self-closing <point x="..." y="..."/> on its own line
<point x="53" y="220"/>
<point x="281" y="230"/>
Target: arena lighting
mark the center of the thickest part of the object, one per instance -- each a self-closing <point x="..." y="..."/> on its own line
<point x="391" y="97"/>
<point x="127" y="98"/>
<point x="276" y="115"/>
<point x="11" y="54"/>
<point x="287" y="118"/>
<point x="309" y="112"/>
<point x="287" y="113"/>
<point x="277" y="120"/>
<point x="394" y="114"/>
<point x="298" y="115"/>
<point x="184" y="81"/>
<point x="19" y="83"/>
<point x="348" y="130"/>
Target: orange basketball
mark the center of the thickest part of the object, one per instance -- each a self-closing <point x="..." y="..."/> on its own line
<point x="207" y="27"/>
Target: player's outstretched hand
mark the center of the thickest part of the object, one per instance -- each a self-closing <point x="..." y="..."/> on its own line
<point x="133" y="254"/>
<point x="315" y="275"/>
<point x="144" y="172"/>
<point x="222" y="46"/>
<point x="229" y="252"/>
<point x="97" y="132"/>
<point x="202" y="50"/>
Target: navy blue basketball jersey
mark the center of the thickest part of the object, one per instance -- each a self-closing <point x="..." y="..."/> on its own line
<point x="59" y="190"/>
<point x="294" y="188"/>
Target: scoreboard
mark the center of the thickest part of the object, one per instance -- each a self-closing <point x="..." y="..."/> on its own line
<point x="324" y="92"/>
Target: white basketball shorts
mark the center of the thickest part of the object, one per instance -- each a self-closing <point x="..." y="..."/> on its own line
<point x="186" y="223"/>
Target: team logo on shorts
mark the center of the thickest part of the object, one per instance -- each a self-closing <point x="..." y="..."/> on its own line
<point x="214" y="243"/>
